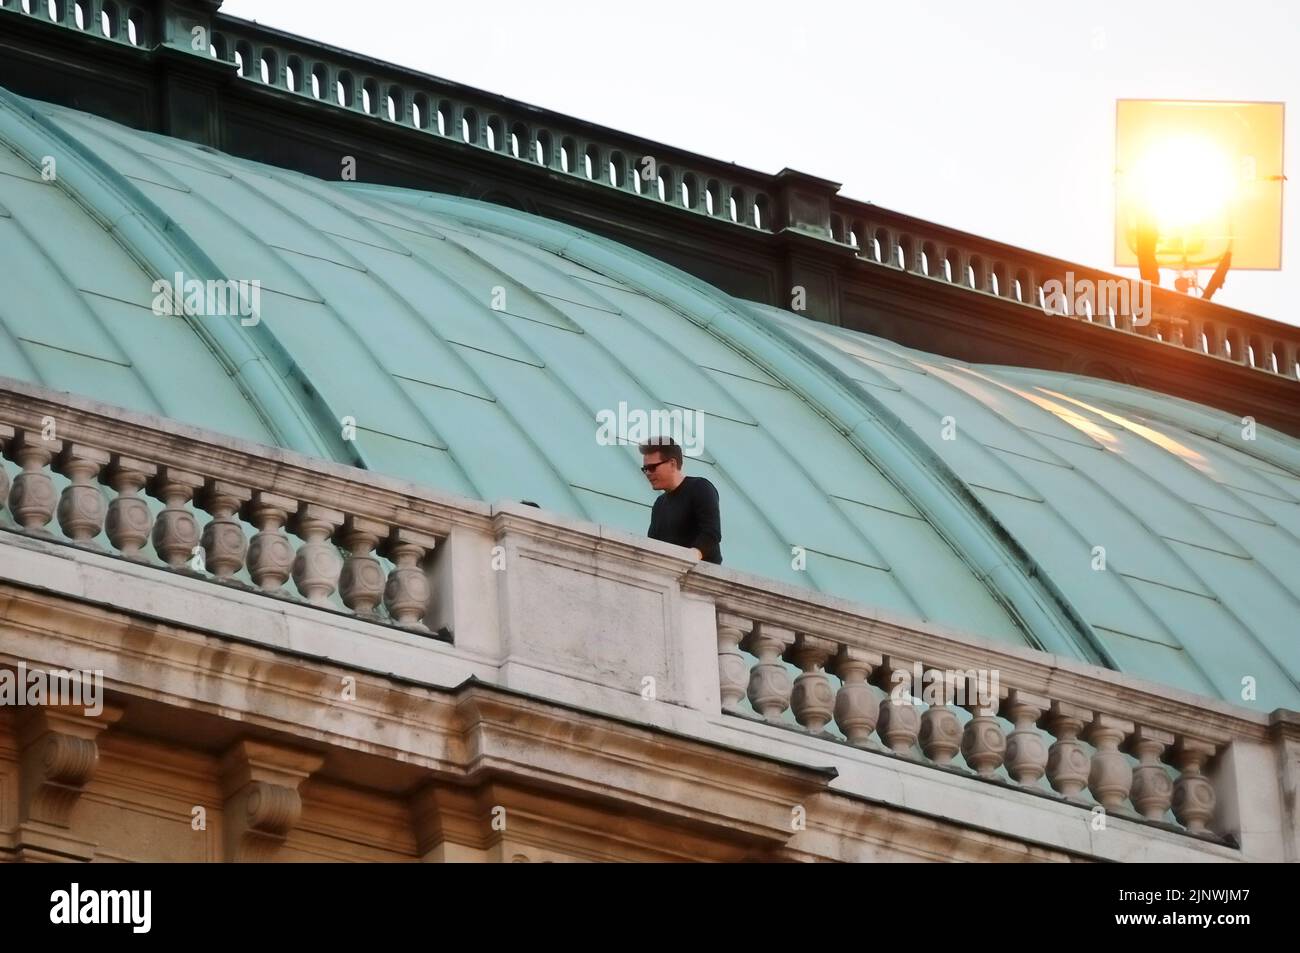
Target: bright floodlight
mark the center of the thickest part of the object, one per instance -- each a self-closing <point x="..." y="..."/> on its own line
<point x="1184" y="182"/>
<point x="1202" y="177"/>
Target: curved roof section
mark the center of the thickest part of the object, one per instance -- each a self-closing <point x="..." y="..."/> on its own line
<point x="378" y="304"/>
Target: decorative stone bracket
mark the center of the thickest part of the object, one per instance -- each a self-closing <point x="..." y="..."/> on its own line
<point x="58" y="753"/>
<point x="1285" y="734"/>
<point x="260" y="782"/>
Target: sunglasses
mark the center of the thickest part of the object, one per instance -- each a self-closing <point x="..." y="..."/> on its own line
<point x="651" y="467"/>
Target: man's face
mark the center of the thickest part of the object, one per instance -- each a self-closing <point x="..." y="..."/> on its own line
<point x="660" y="471"/>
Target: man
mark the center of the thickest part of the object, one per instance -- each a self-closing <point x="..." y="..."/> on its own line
<point x="686" y="513"/>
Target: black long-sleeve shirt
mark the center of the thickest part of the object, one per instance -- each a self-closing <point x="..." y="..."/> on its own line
<point x="688" y="516"/>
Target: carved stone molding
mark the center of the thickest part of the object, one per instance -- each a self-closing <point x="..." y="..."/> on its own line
<point x="733" y="673"/>
<point x="223" y="538"/>
<point x="770" y="684"/>
<point x="899" y="720"/>
<point x="407" y="590"/>
<point x="812" y="698"/>
<point x="32" y="500"/>
<point x="856" y="708"/>
<point x="270" y="554"/>
<point x="1110" y="778"/>
<point x="1284" y="731"/>
<point x="362" y="582"/>
<point x="129" y="521"/>
<point x="317" y="565"/>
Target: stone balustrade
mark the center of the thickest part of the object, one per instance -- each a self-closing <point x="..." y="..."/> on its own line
<point x="1080" y="293"/>
<point x="330" y="76"/>
<point x="587" y="616"/>
<point x="596" y="156"/>
<point x="651" y="171"/>
<point x="261" y="532"/>
<point x="955" y="712"/>
<point x="128" y="23"/>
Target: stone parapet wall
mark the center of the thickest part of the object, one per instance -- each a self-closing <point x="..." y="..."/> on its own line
<point x="442" y="658"/>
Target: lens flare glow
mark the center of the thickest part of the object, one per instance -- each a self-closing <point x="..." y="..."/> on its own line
<point x="1184" y="182"/>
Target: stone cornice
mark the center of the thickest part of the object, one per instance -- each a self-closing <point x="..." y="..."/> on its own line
<point x="591" y="539"/>
<point x="512" y="735"/>
<point x="718" y="780"/>
<point x="475" y="732"/>
<point x="1284" y="723"/>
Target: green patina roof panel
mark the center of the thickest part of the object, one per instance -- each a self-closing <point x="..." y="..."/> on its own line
<point x="474" y="346"/>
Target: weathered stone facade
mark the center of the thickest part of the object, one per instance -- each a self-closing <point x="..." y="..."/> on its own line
<point x="567" y="692"/>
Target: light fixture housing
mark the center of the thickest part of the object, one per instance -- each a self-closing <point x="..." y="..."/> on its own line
<point x="1206" y="175"/>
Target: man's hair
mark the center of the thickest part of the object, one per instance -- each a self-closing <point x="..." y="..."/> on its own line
<point x="666" y="446"/>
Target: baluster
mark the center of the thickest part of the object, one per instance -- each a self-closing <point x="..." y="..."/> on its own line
<point x="32" y="499"/>
<point x="1288" y="367"/>
<point x="717" y="195"/>
<point x="353" y="97"/>
<point x="362" y="582"/>
<point x="916" y="265"/>
<point x="940" y="728"/>
<point x="959" y="259"/>
<point x="129" y="520"/>
<point x="176" y="531"/>
<point x="1006" y="287"/>
<point x="1240" y="347"/>
<point x="327" y="75"/>
<point x="402" y="114"/>
<point x="770" y="684"/>
<point x="223" y="541"/>
<point x="733" y="674"/>
<point x="270" y="553"/>
<point x="1152" y="789"/>
<point x="856" y="707"/>
<point x="888" y="242"/>
<point x="1110" y="777"/>
<point x="317" y="565"/>
<point x="812" y="697"/>
<point x="1029" y="288"/>
<point x="899" y="722"/>
<point x="407" y="592"/>
<point x="744" y="201"/>
<point x="6" y="435"/>
<point x="81" y="505"/>
<point x="1103" y="299"/>
<point x="455" y="126"/>
<point x="983" y="744"/>
<point x="1194" y="797"/>
<point x="528" y="148"/>
<point x="1067" y="761"/>
<point x="1026" y="751"/>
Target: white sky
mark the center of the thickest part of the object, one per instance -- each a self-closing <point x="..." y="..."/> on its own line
<point x="996" y="117"/>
